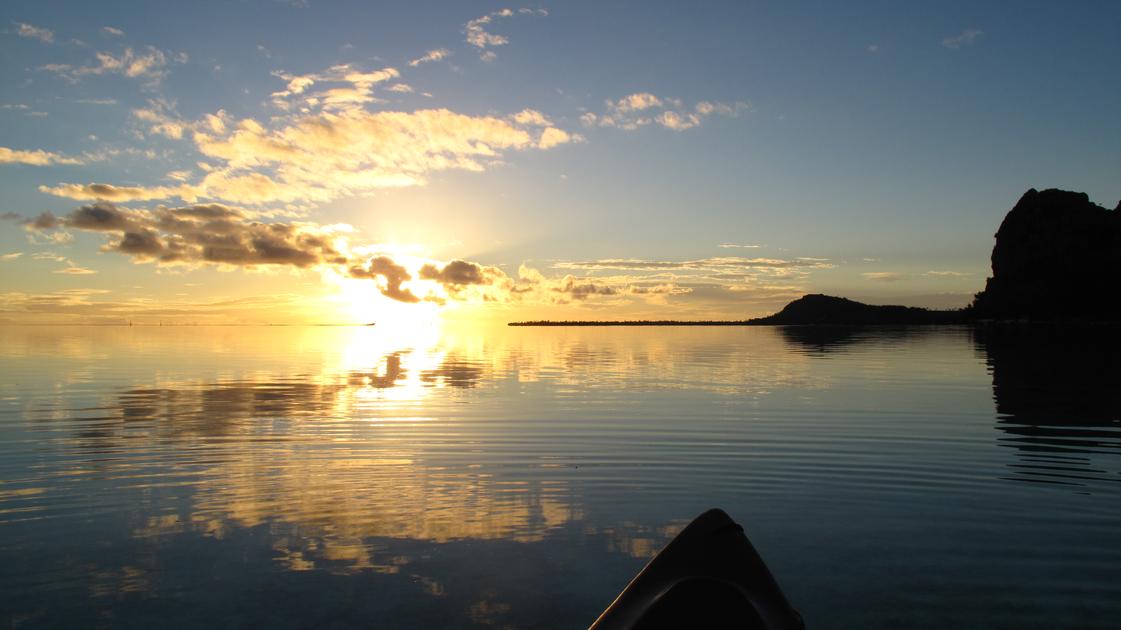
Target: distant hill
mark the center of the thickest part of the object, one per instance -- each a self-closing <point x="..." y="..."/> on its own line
<point x="827" y="310"/>
<point x="1057" y="257"/>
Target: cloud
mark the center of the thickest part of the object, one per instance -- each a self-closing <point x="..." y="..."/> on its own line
<point x="553" y="137"/>
<point x="478" y="36"/>
<point x="721" y="263"/>
<point x="459" y="277"/>
<point x="75" y="271"/>
<point x="883" y="276"/>
<point x="357" y="89"/>
<point x="322" y="156"/>
<point x="157" y="115"/>
<point x="37" y="157"/>
<point x="10" y="257"/>
<point x="531" y="117"/>
<point x="581" y="289"/>
<point x="400" y="88"/>
<point x="112" y="32"/>
<point x="150" y="64"/>
<point x="872" y="48"/>
<point x="459" y="273"/>
<point x="52" y="257"/>
<point x="34" y="32"/>
<point x="99" y="306"/>
<point x="432" y="55"/>
<point x="230" y="237"/>
<point x="948" y="274"/>
<point x="108" y="192"/>
<point x="964" y="38"/>
<point x="636" y="102"/>
<point x="201" y="234"/>
<point x="733" y="246"/>
<point x="390" y="275"/>
<point x="677" y="122"/>
<point x="643" y="108"/>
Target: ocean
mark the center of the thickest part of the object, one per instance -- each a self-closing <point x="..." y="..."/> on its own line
<point x="462" y="477"/>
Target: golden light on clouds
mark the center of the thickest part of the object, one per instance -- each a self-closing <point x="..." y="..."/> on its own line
<point x="256" y="181"/>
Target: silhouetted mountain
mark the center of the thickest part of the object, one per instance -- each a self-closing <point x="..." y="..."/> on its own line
<point x="1057" y="257"/>
<point x="821" y="310"/>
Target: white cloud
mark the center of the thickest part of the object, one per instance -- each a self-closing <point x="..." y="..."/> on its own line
<point x="719" y="263"/>
<point x="149" y="64"/>
<point x="432" y="55"/>
<point x="635" y="102"/>
<point x="478" y="36"/>
<point x="37" y="157"/>
<point x="677" y="122"/>
<point x="112" y="32"/>
<point x="643" y="108"/>
<point x="552" y="137"/>
<point x="34" y="32"/>
<point x="883" y="276"/>
<point x="964" y="38"/>
<point x="357" y="88"/>
<point x="531" y="117"/>
<point x="322" y="156"/>
<point x="400" y="88"/>
<point x="10" y="257"/>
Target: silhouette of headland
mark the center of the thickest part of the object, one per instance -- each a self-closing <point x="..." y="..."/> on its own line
<point x="827" y="310"/>
<point x="1057" y="258"/>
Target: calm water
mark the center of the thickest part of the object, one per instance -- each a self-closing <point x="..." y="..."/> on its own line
<point x="339" y="477"/>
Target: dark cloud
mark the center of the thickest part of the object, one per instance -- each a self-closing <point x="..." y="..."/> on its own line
<point x="458" y="275"/>
<point x="582" y="290"/>
<point x="458" y="272"/>
<point x="45" y="221"/>
<point x="142" y="243"/>
<point x="100" y="217"/>
<point x="204" y="233"/>
<point x="201" y="234"/>
<point x="394" y="275"/>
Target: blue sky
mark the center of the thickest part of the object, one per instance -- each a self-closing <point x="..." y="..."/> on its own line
<point x="868" y="150"/>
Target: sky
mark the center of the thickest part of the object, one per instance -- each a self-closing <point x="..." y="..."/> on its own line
<point x="265" y="161"/>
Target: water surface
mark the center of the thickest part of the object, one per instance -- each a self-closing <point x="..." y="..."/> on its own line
<point x="369" y="477"/>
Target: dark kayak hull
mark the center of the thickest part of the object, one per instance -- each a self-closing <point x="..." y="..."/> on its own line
<point x="708" y="576"/>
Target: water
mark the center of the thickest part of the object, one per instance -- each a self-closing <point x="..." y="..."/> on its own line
<point x="337" y="477"/>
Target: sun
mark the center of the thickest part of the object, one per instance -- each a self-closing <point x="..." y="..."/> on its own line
<point x="359" y="301"/>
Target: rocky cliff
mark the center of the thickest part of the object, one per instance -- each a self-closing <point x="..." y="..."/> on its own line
<point x="1057" y="257"/>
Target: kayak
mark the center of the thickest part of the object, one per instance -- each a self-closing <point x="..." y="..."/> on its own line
<point x="708" y="576"/>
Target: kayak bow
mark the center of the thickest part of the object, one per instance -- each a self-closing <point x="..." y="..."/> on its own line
<point x="708" y="576"/>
